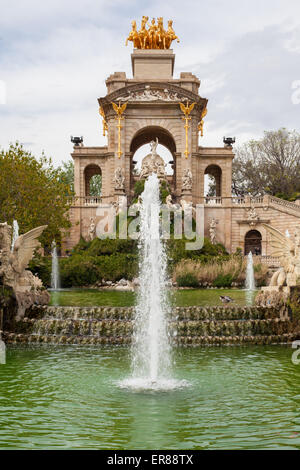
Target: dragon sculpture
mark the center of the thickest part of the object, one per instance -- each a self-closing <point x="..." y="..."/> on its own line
<point x="288" y="251"/>
<point x="28" y="289"/>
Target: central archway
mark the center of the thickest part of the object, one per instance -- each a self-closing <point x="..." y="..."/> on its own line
<point x="148" y="133"/>
<point x="145" y="136"/>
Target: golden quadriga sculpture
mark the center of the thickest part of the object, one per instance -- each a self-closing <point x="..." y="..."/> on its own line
<point x="28" y="289"/>
<point x="155" y="37"/>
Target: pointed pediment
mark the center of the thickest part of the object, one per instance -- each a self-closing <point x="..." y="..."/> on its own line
<point x="154" y="92"/>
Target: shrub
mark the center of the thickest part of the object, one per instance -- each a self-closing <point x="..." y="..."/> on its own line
<point x="82" y="245"/>
<point x="177" y="251"/>
<point x="164" y="191"/>
<point x="139" y="188"/>
<point x="41" y="266"/>
<point x="115" y="267"/>
<point x="108" y="246"/>
<point x="223" y="280"/>
<point x="77" y="271"/>
<point x="81" y="270"/>
<point x="187" y="280"/>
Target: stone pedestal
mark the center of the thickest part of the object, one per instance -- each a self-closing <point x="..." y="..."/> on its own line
<point x="119" y="195"/>
<point x="187" y="195"/>
<point x="152" y="64"/>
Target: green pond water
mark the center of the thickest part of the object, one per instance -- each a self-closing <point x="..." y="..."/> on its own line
<point x="182" y="298"/>
<point x="69" y="398"/>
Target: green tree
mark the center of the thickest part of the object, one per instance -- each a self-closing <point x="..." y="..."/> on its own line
<point x="270" y="165"/>
<point x="96" y="185"/>
<point x="67" y="175"/>
<point x="33" y="192"/>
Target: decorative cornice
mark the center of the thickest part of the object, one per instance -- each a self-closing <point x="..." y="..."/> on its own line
<point x="252" y="223"/>
<point x="173" y="94"/>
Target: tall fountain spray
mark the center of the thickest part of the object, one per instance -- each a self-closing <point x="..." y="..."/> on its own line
<point x="55" y="278"/>
<point x="151" y="351"/>
<point x="250" y="280"/>
<point x="15" y="234"/>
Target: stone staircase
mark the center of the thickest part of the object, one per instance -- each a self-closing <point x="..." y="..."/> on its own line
<point x="220" y="325"/>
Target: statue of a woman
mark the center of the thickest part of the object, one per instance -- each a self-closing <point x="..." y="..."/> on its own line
<point x="92" y="229"/>
<point x="153" y="146"/>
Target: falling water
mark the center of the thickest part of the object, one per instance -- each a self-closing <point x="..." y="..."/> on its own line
<point x="151" y="351"/>
<point x="287" y="234"/>
<point x="55" y="280"/>
<point x="250" y="280"/>
<point x="15" y="234"/>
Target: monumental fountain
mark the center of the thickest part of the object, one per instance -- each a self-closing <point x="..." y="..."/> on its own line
<point x="153" y="326"/>
<point x="227" y="405"/>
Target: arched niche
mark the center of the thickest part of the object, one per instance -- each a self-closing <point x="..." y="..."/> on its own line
<point x="92" y="175"/>
<point x="253" y="240"/>
<point x="213" y="181"/>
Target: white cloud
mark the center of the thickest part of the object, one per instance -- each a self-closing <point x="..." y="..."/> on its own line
<point x="55" y="57"/>
<point x="2" y="92"/>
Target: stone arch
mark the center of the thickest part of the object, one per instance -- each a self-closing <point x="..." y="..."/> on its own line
<point x="144" y="135"/>
<point x="90" y="171"/>
<point x="148" y="133"/>
<point x="253" y="242"/>
<point x="215" y="171"/>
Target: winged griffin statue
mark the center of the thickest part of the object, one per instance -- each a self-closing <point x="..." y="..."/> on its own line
<point x="26" y="287"/>
<point x="288" y="251"/>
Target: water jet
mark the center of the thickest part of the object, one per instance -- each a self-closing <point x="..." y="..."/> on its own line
<point x="55" y="278"/>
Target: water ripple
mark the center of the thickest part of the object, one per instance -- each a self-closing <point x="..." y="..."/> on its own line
<point x="69" y="398"/>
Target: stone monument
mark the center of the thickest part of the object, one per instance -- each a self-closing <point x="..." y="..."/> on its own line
<point x="155" y="103"/>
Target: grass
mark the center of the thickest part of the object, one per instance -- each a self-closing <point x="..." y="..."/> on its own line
<point x="232" y="270"/>
<point x="182" y="298"/>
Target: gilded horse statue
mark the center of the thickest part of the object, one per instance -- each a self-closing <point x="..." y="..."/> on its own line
<point x="143" y="33"/>
<point x="161" y="33"/>
<point x="155" y="37"/>
<point x="170" y="35"/>
<point x="134" y="36"/>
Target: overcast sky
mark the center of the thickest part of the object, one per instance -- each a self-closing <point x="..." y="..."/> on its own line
<point x="55" y="56"/>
